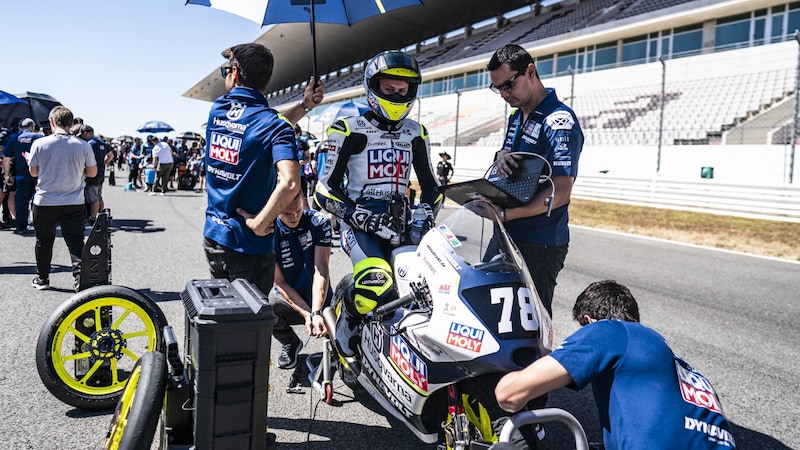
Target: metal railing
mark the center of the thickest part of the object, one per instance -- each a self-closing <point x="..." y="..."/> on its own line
<point x="777" y="202"/>
<point x="780" y="202"/>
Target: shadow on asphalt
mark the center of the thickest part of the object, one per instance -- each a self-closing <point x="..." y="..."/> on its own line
<point x="747" y="438"/>
<point x="27" y="268"/>
<point x="134" y="226"/>
<point x="20" y="269"/>
<point x="160" y="296"/>
<point x="78" y="413"/>
<point x="360" y="436"/>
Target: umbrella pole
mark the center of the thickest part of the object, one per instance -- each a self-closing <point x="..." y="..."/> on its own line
<point x="30" y="109"/>
<point x="313" y="43"/>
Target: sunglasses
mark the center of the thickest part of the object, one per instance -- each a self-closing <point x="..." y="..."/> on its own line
<point x="225" y="70"/>
<point x="508" y="85"/>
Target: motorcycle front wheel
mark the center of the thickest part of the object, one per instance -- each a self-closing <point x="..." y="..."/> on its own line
<point x="133" y="425"/>
<point x="88" y="348"/>
<point x="486" y="417"/>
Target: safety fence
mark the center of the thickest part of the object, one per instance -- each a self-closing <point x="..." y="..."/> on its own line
<point x="777" y="202"/>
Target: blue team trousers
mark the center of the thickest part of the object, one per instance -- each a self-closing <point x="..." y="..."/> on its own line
<point x="229" y="264"/>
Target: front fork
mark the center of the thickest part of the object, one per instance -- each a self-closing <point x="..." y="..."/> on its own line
<point x="456" y="427"/>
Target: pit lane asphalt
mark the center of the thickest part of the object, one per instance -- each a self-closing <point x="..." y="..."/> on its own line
<point x="733" y="316"/>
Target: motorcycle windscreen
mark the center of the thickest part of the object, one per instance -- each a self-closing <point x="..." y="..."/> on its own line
<point x="479" y="239"/>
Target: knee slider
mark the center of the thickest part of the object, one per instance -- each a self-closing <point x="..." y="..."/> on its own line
<point x="373" y="284"/>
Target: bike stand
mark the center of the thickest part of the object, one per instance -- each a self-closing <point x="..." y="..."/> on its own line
<point x="321" y="376"/>
<point x="96" y="255"/>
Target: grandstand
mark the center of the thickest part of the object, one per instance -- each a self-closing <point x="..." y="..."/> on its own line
<point x="711" y="93"/>
<point x="730" y="70"/>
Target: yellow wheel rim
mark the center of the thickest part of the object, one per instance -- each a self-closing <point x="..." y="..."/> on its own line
<point x="120" y="419"/>
<point x="130" y="334"/>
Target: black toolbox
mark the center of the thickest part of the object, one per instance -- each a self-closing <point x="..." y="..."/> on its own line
<point x="228" y="340"/>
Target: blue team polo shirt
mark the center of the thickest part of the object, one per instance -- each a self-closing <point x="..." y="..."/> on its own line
<point x="647" y="397"/>
<point x="244" y="140"/>
<point x="100" y="149"/>
<point x="18" y="146"/>
<point x="295" y="249"/>
<point x="551" y="130"/>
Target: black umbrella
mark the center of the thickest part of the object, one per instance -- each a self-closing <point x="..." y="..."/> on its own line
<point x="36" y="106"/>
<point x="189" y="136"/>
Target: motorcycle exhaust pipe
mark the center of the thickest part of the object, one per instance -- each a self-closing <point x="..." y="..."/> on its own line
<point x="329" y="318"/>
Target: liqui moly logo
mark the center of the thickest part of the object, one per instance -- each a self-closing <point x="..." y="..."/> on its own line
<point x="411" y="366"/>
<point x="388" y="163"/>
<point x="225" y="148"/>
<point x="466" y="337"/>
<point x="696" y="390"/>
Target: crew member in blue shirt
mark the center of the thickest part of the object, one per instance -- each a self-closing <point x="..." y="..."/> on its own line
<point x="302" y="280"/>
<point x="541" y="124"/>
<point x="647" y="397"/>
<point x="17" y="149"/>
<point x="103" y="154"/>
<point x="251" y="166"/>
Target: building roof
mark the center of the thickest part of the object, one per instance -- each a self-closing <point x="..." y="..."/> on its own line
<point x="291" y="43"/>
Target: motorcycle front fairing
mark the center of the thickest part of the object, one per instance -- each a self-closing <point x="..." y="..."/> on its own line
<point x="485" y="317"/>
<point x="486" y="311"/>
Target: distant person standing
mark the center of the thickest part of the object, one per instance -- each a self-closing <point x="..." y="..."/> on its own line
<point x="251" y="166"/>
<point x="542" y="125"/>
<point x="135" y="163"/>
<point x="163" y="162"/>
<point x="61" y="162"/>
<point x="444" y="170"/>
<point x="17" y="151"/>
<point x="7" y="219"/>
<point x="103" y="155"/>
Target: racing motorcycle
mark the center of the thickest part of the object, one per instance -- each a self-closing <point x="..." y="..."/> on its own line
<point x="467" y="312"/>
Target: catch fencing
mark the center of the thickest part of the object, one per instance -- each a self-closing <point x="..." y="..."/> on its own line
<point x="778" y="202"/>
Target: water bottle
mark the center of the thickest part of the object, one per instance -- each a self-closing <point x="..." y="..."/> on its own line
<point x="418" y="218"/>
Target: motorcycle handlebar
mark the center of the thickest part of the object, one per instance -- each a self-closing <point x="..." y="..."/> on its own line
<point x="394" y="304"/>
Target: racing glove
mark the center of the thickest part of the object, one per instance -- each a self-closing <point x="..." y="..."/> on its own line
<point x="381" y="224"/>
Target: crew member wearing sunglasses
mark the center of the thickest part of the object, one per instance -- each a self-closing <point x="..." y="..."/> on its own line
<point x="540" y="124"/>
<point x="543" y="125"/>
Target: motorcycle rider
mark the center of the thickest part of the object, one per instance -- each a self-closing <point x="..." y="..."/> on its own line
<point x="375" y="152"/>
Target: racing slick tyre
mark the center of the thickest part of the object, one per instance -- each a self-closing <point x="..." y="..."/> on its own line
<point x="479" y="393"/>
<point x="135" y="420"/>
<point x="88" y="348"/>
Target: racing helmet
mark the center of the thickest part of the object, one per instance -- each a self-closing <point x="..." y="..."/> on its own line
<point x="396" y="65"/>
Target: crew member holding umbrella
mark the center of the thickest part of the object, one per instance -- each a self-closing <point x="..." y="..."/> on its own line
<point x="251" y="166"/>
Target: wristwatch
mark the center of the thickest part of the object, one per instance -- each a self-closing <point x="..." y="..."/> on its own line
<point x="315" y="313"/>
<point x="306" y="109"/>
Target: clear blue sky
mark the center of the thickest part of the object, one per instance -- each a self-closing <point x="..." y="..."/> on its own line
<point x="117" y="63"/>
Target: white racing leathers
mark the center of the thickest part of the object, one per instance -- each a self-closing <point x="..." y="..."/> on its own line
<point x="369" y="160"/>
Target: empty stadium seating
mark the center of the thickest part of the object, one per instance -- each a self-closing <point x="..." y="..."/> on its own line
<point x="704" y="94"/>
<point x="709" y="97"/>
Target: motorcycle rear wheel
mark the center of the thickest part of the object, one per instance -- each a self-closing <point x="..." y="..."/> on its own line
<point x="88" y="347"/>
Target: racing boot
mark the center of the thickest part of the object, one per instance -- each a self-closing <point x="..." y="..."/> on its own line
<point x="372" y="285"/>
<point x="346" y="341"/>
